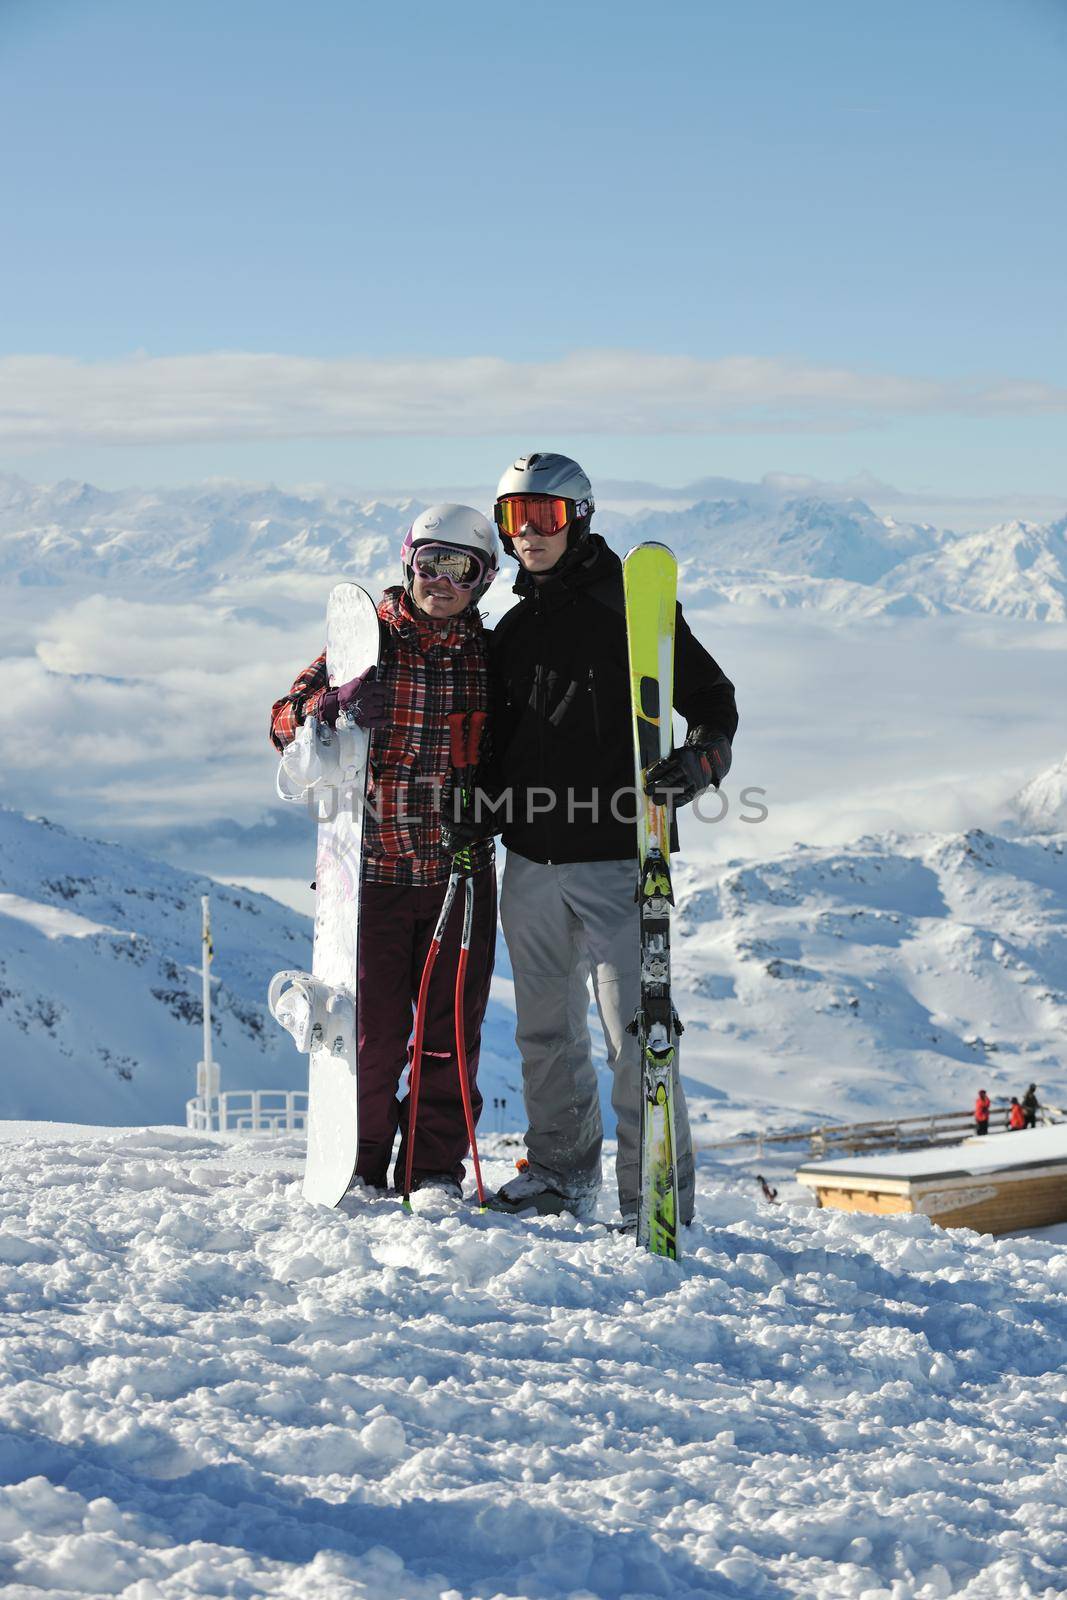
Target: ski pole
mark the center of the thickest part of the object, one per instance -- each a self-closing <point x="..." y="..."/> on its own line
<point x="460" y="744"/>
<point x="468" y="751"/>
<point x="420" y="1026"/>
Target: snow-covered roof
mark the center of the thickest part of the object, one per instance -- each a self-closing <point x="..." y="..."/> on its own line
<point x="996" y="1152"/>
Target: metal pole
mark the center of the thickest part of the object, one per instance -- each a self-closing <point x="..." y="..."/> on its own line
<point x="207" y="1072"/>
<point x="206" y="980"/>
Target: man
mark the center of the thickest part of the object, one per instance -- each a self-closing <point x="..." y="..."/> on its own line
<point x="981" y="1113"/>
<point x="563" y="771"/>
<point x="1031" y="1105"/>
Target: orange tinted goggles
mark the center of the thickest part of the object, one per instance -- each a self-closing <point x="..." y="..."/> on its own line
<point x="545" y="513"/>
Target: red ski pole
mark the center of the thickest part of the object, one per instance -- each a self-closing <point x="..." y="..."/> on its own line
<point x="420" y="1026"/>
<point x="464" y="741"/>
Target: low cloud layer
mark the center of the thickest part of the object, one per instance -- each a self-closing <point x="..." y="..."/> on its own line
<point x="51" y="400"/>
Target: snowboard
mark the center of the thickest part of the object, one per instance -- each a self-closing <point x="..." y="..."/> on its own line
<point x="650" y="586"/>
<point x="326" y="769"/>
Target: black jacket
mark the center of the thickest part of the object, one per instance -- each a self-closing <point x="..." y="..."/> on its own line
<point x="560" y="705"/>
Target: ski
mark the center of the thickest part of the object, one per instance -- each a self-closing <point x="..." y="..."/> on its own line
<point x="650" y="584"/>
<point x="326" y="769"/>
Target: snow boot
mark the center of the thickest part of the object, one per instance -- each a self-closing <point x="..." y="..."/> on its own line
<point x="441" y="1183"/>
<point x="526" y="1192"/>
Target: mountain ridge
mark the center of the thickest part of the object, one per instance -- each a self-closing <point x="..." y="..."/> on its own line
<point x="764" y="547"/>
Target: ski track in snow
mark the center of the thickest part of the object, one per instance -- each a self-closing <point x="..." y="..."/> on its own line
<point x="212" y="1388"/>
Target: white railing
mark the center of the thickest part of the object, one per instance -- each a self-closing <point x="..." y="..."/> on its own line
<point x="900" y="1133"/>
<point x="269" y="1111"/>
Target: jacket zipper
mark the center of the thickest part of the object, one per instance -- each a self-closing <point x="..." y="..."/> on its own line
<point x="596" y="707"/>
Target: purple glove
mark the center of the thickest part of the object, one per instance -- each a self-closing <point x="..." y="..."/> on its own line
<point x="363" y="699"/>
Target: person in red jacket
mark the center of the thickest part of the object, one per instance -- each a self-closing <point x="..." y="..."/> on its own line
<point x="981" y="1112"/>
<point x="1016" y="1116"/>
<point x="433" y="662"/>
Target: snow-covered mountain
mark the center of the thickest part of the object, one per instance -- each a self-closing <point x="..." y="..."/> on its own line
<point x="1018" y="569"/>
<point x="187" y="541"/>
<point x="100" y="1007"/>
<point x="100" y="989"/>
<point x="1041" y="804"/>
<point x="830" y="983"/>
<point x="805" y="536"/>
<point x="764" y="545"/>
<point x="887" y="977"/>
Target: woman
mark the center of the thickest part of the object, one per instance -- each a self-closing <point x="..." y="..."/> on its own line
<point x="433" y="663"/>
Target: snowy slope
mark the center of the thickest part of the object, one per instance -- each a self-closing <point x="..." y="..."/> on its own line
<point x="100" y="1009"/>
<point x="210" y="1388"/>
<point x="891" y="976"/>
<point x="884" y="976"/>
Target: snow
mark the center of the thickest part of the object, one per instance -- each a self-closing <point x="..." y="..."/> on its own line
<point x="1041" y="804"/>
<point x="100" y="997"/>
<point x="100" y="985"/>
<point x="884" y="978"/>
<point x="53" y="921"/>
<point x="209" y="1387"/>
<point x="993" y="1152"/>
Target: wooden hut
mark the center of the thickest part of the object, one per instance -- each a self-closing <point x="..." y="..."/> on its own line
<point x="995" y="1184"/>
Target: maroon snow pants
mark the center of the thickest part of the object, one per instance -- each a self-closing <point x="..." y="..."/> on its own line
<point x="396" y="926"/>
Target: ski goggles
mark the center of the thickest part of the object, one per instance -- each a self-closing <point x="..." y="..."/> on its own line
<point x="461" y="568"/>
<point x="546" y="514"/>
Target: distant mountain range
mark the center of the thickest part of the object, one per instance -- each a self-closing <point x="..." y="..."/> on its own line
<point x="766" y="545"/>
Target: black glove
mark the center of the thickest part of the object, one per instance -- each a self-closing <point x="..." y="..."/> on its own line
<point x="460" y="827"/>
<point x="702" y="763"/>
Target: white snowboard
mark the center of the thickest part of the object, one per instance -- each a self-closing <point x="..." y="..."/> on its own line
<point x="328" y="768"/>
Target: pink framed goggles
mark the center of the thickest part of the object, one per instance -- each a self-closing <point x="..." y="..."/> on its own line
<point x="463" y="569"/>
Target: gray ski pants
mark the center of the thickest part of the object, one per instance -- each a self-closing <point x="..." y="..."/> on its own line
<point x="563" y="924"/>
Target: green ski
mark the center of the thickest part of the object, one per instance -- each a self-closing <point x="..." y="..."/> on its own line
<point x="650" y="583"/>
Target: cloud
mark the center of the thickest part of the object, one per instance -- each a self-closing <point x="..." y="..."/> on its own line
<point x="53" y="400"/>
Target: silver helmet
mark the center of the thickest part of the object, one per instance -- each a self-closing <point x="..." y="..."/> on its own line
<point x="545" y="473"/>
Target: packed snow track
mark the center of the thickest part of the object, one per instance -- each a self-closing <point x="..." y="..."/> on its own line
<point x="213" y="1388"/>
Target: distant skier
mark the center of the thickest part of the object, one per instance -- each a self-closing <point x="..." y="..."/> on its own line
<point x="1016" y="1116"/>
<point x="981" y="1112"/>
<point x="770" y="1193"/>
<point x="1031" y="1105"/>
<point x="563" y="758"/>
<point x="434" y="661"/>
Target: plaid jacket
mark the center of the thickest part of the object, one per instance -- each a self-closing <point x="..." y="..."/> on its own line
<point x="429" y="668"/>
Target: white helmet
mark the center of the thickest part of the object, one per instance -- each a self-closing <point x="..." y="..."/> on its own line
<point x="545" y="473"/>
<point x="461" y="526"/>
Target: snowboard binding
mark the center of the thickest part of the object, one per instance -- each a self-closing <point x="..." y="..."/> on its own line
<point x="312" y="1012"/>
<point x="322" y="758"/>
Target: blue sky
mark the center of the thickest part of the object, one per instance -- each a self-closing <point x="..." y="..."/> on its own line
<point x="872" y="190"/>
